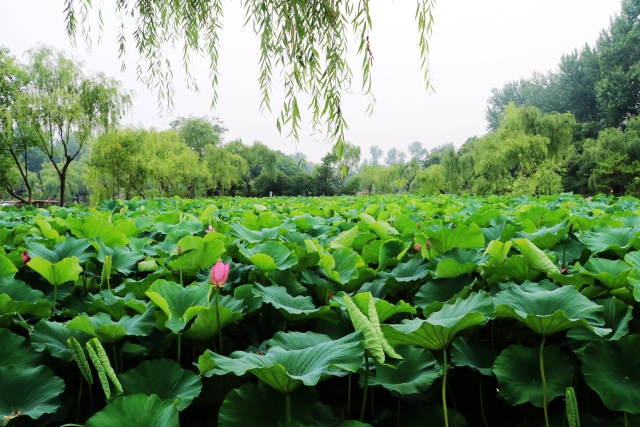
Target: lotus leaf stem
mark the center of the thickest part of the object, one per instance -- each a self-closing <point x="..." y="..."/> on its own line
<point x="366" y="386"/>
<point x="218" y="318"/>
<point x="484" y="419"/>
<point x="55" y="296"/>
<point x="179" y="346"/>
<point x="79" y="398"/>
<point x="288" y="403"/>
<point x="544" y="383"/>
<point x="444" y="388"/>
<point x="349" y="397"/>
<point x="626" y="423"/>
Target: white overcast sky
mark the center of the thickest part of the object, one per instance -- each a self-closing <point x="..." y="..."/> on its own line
<point x="476" y="45"/>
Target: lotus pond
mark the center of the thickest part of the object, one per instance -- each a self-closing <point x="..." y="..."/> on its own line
<point x="381" y="311"/>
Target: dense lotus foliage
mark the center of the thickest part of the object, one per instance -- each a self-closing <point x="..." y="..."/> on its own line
<point x="381" y="311"/>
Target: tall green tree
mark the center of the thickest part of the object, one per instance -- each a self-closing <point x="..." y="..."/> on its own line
<point x="307" y="40"/>
<point x="199" y="132"/>
<point x="225" y="168"/>
<point x="68" y="108"/>
<point x="259" y="158"/>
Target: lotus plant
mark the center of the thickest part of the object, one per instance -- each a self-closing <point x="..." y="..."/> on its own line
<point x="218" y="276"/>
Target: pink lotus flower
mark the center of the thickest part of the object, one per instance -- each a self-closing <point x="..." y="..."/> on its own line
<point x="417" y="247"/>
<point x="219" y="274"/>
<point x="589" y="199"/>
<point x="209" y="229"/>
<point x="25" y="258"/>
<point x="428" y="245"/>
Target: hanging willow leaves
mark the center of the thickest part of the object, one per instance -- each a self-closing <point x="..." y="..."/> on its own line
<point x="106" y="374"/>
<point x="306" y="41"/>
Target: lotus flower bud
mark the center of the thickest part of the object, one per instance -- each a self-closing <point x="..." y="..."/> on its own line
<point x="417" y="247"/>
<point x="428" y="245"/>
<point x="25" y="258"/>
<point x="179" y="250"/>
<point x="219" y="274"/>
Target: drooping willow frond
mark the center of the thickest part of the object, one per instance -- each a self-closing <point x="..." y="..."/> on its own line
<point x="305" y="39"/>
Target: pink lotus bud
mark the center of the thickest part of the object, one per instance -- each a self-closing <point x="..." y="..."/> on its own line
<point x="589" y="199"/>
<point x="209" y="229"/>
<point x="219" y="274"/>
<point x="25" y="258"/>
<point x="417" y="247"/>
<point x="428" y="245"/>
<point x="179" y="250"/>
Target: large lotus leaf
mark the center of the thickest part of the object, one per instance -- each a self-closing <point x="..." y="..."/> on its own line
<point x="534" y="258"/>
<point x="16" y="297"/>
<point x="178" y="303"/>
<point x="67" y="270"/>
<point x="457" y="262"/>
<point x="285" y="370"/>
<point x="91" y="227"/>
<point x="108" y="331"/>
<point x="547" y="311"/>
<point x="497" y="253"/>
<point x="617" y="316"/>
<point x="341" y="265"/>
<point x="440" y="328"/>
<point x="290" y="307"/>
<point x="391" y="252"/>
<point x="618" y="239"/>
<point x="205" y="327"/>
<point x="382" y="229"/>
<point x="107" y="302"/>
<point x="295" y="340"/>
<point x="568" y="251"/>
<point x="468" y="351"/>
<point x="164" y="378"/>
<point x="136" y="410"/>
<point x="70" y="247"/>
<point x="417" y="371"/>
<point x="123" y="259"/>
<point x="257" y="406"/>
<point x="411" y="271"/>
<point x="46" y="230"/>
<point x="439" y="291"/>
<point x="384" y="308"/>
<point x="7" y="269"/>
<point x="547" y="237"/>
<point x="53" y="336"/>
<point x="462" y="237"/>
<point x="514" y="268"/>
<point x="518" y="371"/>
<point x="253" y="236"/>
<point x="611" y="273"/>
<point x="345" y="239"/>
<point x="371" y="252"/>
<point x="16" y="351"/>
<point x="204" y="256"/>
<point x="30" y="392"/>
<point x="367" y="321"/>
<point x="612" y="369"/>
<point x="270" y="255"/>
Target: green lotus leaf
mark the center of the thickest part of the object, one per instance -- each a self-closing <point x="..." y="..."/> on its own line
<point x="384" y="308"/>
<point x="361" y="240"/>
<point x="546" y="311"/>
<point x="617" y="316"/>
<point x="285" y="370"/>
<point x="123" y="259"/>
<point x="468" y="351"/>
<point x="136" y="410"/>
<point x="16" y="351"/>
<point x="411" y="271"/>
<point x="533" y="257"/>
<point x="413" y="375"/>
<point x="295" y="340"/>
<point x="270" y="256"/>
<point x="53" y="336"/>
<point x="67" y="270"/>
<point x="107" y="302"/>
<point x="290" y="307"/>
<point x="382" y="229"/>
<point x="16" y="297"/>
<point x="257" y="406"/>
<point x="7" y="269"/>
<point x="341" y="265"/>
<point x="345" y="239"/>
<point x="441" y="327"/>
<point x="204" y="256"/>
<point x="611" y="273"/>
<point x="106" y="330"/>
<point x="618" y="239"/>
<point x="568" y="251"/>
<point x="434" y="292"/>
<point x="205" y="327"/>
<point x="518" y="371"/>
<point x="164" y="378"/>
<point x="547" y="237"/>
<point x="371" y="252"/>
<point x="462" y="237"/>
<point x="46" y="230"/>
<point x="612" y="369"/>
<point x="457" y="262"/>
<point x="30" y="392"/>
<point x="70" y="247"/>
<point x="178" y="303"/>
<point x="367" y="321"/>
<point x="253" y="236"/>
<point x="91" y="227"/>
<point x="391" y="252"/>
